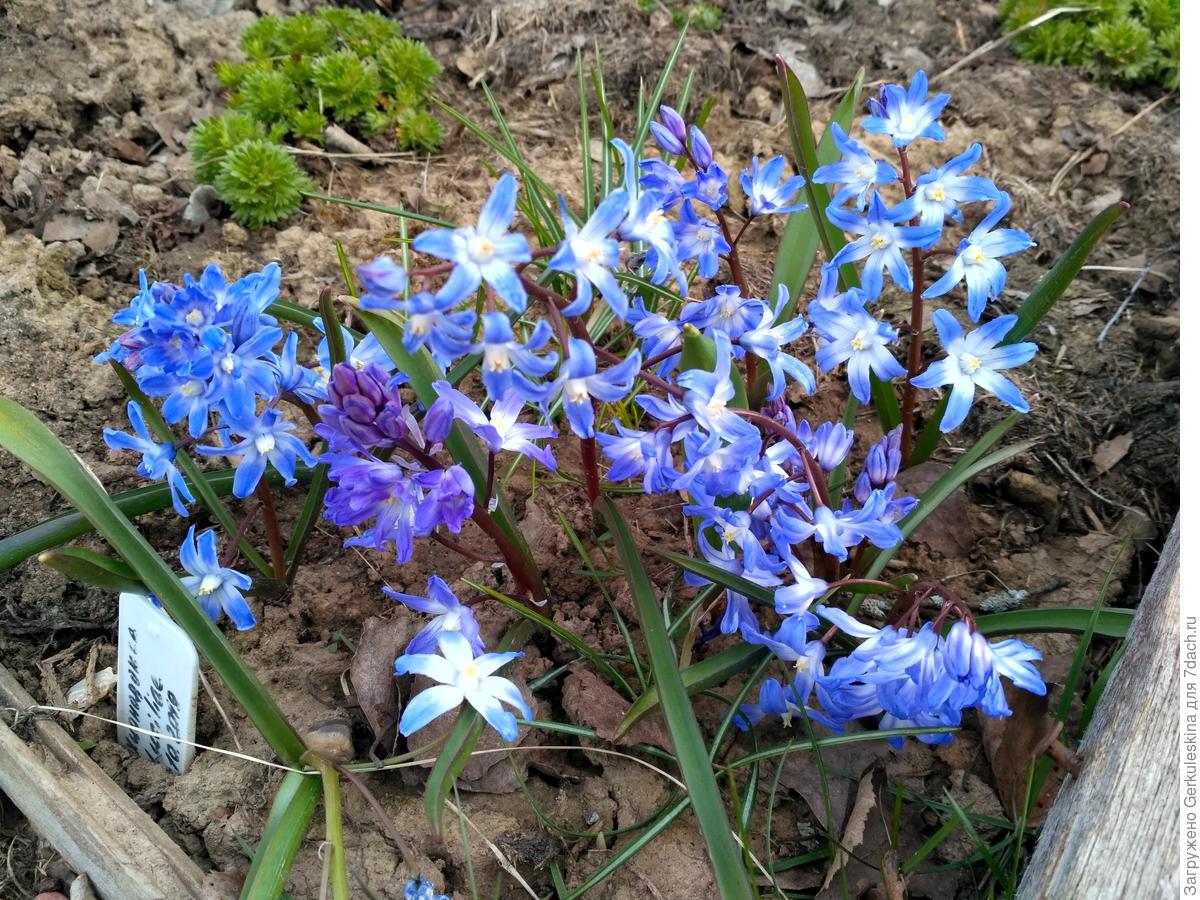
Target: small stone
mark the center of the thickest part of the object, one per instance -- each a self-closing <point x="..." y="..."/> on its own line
<point x="330" y="739"/>
<point x="202" y="205"/>
<point x="1026" y="490"/>
<point x="146" y="194"/>
<point x="234" y="234"/>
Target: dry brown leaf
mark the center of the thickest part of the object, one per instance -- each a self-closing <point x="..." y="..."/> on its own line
<point x="1095" y="164"/>
<point x="1011" y="743"/>
<point x="1111" y="452"/>
<point x="856" y="826"/>
<point x="947" y="530"/>
<point x="588" y="700"/>
<point x="801" y="774"/>
<point x="372" y="671"/>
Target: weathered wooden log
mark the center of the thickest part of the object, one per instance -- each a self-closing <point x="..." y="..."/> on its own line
<point x="1113" y="832"/>
<point x="85" y="816"/>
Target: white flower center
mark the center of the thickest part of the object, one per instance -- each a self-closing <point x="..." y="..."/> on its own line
<point x="497" y="359"/>
<point x="264" y="443"/>
<point x="908" y="121"/>
<point x="228" y="364"/>
<point x="865" y="172"/>
<point x="420" y="324"/>
<point x="936" y="193"/>
<point x="880" y="240"/>
<point x="482" y="249"/>
<point x="194" y="318"/>
<point x="656" y="218"/>
<point x="971" y="363"/>
<point x="191" y="389"/>
<point x="975" y="256"/>
<point x="576" y="390"/>
<point x="860" y="341"/>
<point x="208" y="584"/>
<point x="715" y="408"/>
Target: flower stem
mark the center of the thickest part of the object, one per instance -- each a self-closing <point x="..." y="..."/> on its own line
<point x="916" y="325"/>
<point x="739" y="278"/>
<point x="591" y="468"/>
<point x="332" y="788"/>
<point x="464" y="551"/>
<point x="271" y="523"/>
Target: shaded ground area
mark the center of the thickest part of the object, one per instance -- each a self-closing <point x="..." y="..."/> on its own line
<point x="94" y="178"/>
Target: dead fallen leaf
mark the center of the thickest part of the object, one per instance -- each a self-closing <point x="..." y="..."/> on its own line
<point x="125" y="149"/>
<point x="800" y="774"/>
<point x="1095" y="164"/>
<point x="372" y="671"/>
<point x="1111" y="452"/>
<point x="1085" y="306"/>
<point x="947" y="530"/>
<point x="856" y="825"/>
<point x="1011" y="743"/>
<point x="588" y="700"/>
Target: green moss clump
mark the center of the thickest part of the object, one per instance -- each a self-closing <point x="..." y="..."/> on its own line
<point x="261" y="183"/>
<point x="1126" y="41"/>
<point x="302" y="73"/>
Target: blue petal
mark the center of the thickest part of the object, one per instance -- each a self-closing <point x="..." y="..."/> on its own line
<point x="428" y="705"/>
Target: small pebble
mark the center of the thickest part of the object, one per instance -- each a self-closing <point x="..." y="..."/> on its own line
<point x="330" y="739"/>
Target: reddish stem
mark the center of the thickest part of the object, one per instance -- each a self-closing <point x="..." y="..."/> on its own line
<point x="916" y="325"/>
<point x="591" y="468"/>
<point x="271" y="523"/>
<point x="464" y="551"/>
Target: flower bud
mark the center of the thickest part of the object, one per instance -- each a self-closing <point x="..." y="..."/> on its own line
<point x="702" y="154"/>
<point x="438" y="420"/>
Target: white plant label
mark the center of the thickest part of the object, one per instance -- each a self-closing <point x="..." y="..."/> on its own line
<point x="158" y="673"/>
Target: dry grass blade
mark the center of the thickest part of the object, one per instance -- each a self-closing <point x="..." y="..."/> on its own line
<point x="503" y="860"/>
<point x="856" y="827"/>
<point x="1004" y="39"/>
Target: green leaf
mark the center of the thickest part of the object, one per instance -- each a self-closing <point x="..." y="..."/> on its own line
<point x="801" y="239"/>
<point x="834" y="740"/>
<point x="1076" y="671"/>
<point x="606" y="127"/>
<point x="67" y="526"/>
<point x="96" y="569"/>
<point x="291" y="813"/>
<point x="931" y="434"/>
<point x="717" y="575"/>
<point x="1110" y="621"/>
<point x="375" y="207"/>
<point x="700" y="352"/>
<point x="806" y="160"/>
<point x="585" y="140"/>
<point x="1043" y="297"/>
<point x="651" y="110"/>
<point x="701" y="676"/>
<point x="629" y="850"/>
<point x="23" y="435"/>
<point x="723" y="852"/>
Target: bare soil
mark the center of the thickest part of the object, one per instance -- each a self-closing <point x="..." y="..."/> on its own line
<point x="95" y="106"/>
